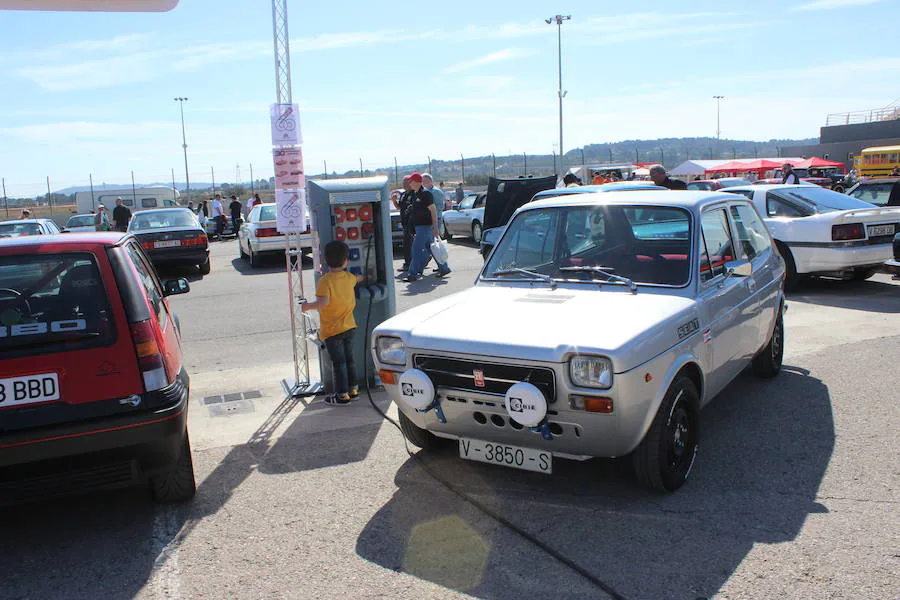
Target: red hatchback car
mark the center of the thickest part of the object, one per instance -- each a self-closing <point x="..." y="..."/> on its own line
<point x="93" y="391"/>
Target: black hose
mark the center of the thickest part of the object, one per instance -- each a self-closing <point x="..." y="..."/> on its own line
<point x="605" y="587"/>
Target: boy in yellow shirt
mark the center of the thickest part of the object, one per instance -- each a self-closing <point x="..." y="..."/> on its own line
<point x="335" y="301"/>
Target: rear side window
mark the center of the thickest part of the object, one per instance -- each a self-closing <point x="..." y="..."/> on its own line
<point x="148" y="282"/>
<point x="717" y="247"/>
<point x="53" y="303"/>
<point x="749" y="231"/>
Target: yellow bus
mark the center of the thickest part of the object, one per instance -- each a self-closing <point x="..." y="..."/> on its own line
<point x="877" y="160"/>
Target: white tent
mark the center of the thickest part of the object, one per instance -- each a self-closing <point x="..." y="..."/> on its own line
<point x="695" y="167"/>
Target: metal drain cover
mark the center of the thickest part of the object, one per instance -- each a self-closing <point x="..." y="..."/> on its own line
<point x="248" y="395"/>
<point x="235" y="403"/>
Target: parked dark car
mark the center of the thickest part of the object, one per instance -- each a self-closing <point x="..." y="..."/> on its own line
<point x="93" y="390"/>
<point x="172" y="236"/>
<point x="879" y="191"/>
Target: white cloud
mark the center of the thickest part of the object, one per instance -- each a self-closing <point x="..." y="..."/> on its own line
<point x="488" y="59"/>
<point x="830" y="4"/>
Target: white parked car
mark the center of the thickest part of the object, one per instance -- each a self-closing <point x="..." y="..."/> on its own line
<point x="26" y="227"/>
<point x="80" y="223"/>
<point x="599" y="326"/>
<point x="822" y="232"/>
<point x="465" y="220"/>
<point x="259" y="235"/>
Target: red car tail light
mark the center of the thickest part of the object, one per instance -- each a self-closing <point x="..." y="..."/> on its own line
<point x="199" y="240"/>
<point x="850" y="231"/>
<point x="266" y="232"/>
<point x="147" y="245"/>
<point x="150" y="359"/>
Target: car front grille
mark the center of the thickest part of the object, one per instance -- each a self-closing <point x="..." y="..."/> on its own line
<point x="498" y="378"/>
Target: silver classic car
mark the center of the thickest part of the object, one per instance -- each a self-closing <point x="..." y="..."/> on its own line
<point x="599" y="327"/>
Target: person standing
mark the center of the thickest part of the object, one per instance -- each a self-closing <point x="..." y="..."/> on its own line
<point x="789" y="175"/>
<point x="424" y="220"/>
<point x="218" y="212"/>
<point x="404" y="205"/>
<point x="460" y="194"/>
<point x="26" y="214"/>
<point x="335" y="301"/>
<point x="253" y="202"/>
<point x="101" y="220"/>
<point x="190" y="206"/>
<point x="121" y="215"/>
<point x="443" y="269"/>
<point x="236" y="209"/>
<point x="659" y="176"/>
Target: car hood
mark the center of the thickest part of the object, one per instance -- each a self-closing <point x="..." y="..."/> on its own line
<point x="537" y="323"/>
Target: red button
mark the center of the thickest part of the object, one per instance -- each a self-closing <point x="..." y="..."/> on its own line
<point x="339" y="234"/>
<point x="351" y="214"/>
<point x="367" y="230"/>
<point x="353" y="233"/>
<point x="339" y="215"/>
<point x="365" y="213"/>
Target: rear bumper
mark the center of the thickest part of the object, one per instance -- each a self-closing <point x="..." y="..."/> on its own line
<point x="823" y="259"/>
<point x="151" y="437"/>
<point x="276" y="243"/>
<point x="179" y="256"/>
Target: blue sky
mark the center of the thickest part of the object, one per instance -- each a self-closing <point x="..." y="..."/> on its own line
<point x="93" y="92"/>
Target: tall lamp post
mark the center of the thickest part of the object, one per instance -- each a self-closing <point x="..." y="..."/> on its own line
<point x="558" y="19"/>
<point x="187" y="179"/>
<point x="718" y="100"/>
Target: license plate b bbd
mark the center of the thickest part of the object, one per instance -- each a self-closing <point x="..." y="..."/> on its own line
<point x="31" y="389"/>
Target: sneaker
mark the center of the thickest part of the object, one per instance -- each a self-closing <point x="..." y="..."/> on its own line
<point x="442" y="274"/>
<point x="337" y="400"/>
<point x="354" y="392"/>
<point x="403" y="275"/>
<point x="403" y="269"/>
<point x="411" y="278"/>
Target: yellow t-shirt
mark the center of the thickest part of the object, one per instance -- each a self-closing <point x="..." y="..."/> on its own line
<point x="337" y="316"/>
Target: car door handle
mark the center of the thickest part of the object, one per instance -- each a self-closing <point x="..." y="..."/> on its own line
<point x="751" y="284"/>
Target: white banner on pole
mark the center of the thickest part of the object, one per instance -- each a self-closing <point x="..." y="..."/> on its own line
<point x="290" y="211"/>
<point x="285" y="125"/>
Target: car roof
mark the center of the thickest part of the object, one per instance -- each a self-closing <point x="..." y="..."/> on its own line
<point x="63" y="241"/>
<point x="12" y="221"/>
<point x="169" y="209"/>
<point x="775" y="186"/>
<point x="604" y="187"/>
<point x="691" y="200"/>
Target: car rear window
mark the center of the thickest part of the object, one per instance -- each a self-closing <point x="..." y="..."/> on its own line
<point x="158" y="219"/>
<point x="81" y="221"/>
<point x="19" y="229"/>
<point x="52" y="303"/>
<point x="267" y="213"/>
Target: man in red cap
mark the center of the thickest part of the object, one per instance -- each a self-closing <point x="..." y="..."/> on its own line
<point x="423" y="218"/>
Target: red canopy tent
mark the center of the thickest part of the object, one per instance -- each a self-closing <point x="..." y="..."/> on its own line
<point x="737" y="166"/>
<point x="815" y="161"/>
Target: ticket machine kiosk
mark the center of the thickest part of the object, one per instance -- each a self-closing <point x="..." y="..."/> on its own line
<point x="356" y="212"/>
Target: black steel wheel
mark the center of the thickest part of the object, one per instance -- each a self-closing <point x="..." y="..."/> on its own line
<point x="768" y="362"/>
<point x="664" y="458"/>
<point x="416" y="435"/>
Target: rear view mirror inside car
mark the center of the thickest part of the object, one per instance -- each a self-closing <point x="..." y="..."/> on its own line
<point x="172" y="287"/>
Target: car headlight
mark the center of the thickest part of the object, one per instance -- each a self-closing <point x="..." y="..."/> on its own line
<point x="591" y="371"/>
<point x="390" y="350"/>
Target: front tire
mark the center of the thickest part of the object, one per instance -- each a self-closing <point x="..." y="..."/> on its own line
<point x="664" y="458"/>
<point x="767" y="363"/>
<point x="476" y="232"/>
<point x="177" y="485"/>
<point x="416" y="435"/>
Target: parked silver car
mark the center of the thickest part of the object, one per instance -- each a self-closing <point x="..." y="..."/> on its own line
<point x="259" y="235"/>
<point x="599" y="326"/>
<point x="25" y="227"/>
<point x="466" y="219"/>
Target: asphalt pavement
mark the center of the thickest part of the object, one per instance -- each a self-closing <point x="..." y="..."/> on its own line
<point x="794" y="494"/>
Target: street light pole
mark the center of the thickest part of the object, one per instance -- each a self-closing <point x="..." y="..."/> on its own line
<point x="187" y="179"/>
<point x="558" y="19"/>
<point x="718" y="100"/>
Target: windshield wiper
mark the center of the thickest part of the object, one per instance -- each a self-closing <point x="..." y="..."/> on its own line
<point x="603" y="271"/>
<point x="532" y="274"/>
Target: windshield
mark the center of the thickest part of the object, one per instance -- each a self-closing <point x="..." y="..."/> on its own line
<point x="646" y="244"/>
<point x="825" y="200"/>
<point x="52" y="303"/>
<point x="156" y="219"/>
<point x="875" y="193"/>
<point x="19" y="229"/>
<point x="81" y="221"/>
<point x="267" y="213"/>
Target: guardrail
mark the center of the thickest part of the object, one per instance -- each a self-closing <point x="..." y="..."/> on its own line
<point x="863" y="116"/>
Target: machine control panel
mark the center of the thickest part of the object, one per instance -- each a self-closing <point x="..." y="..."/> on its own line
<point x="354" y="224"/>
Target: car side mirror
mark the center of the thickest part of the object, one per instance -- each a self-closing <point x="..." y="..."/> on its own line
<point x="738" y="268"/>
<point x="173" y="287"/>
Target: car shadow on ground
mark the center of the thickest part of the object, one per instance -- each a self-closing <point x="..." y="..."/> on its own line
<point x="190" y="273"/>
<point x="764" y="451"/>
<point x="869" y="296"/>
<point x="268" y="264"/>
